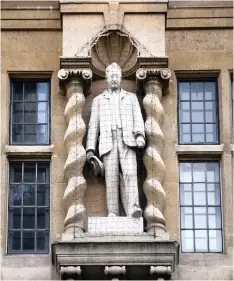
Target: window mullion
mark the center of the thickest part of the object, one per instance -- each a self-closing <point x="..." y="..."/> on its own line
<point x="21" y="223"/>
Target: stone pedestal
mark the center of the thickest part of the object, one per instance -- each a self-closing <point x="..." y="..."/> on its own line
<point x="115" y="225"/>
<point x="131" y="257"/>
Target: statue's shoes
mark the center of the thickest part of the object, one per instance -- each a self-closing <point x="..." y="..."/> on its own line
<point x="112" y="215"/>
<point x="136" y="212"/>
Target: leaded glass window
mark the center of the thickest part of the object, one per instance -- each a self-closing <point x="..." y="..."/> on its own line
<point x="30" y="112"/>
<point x="28" y="205"/>
<point x="200" y="207"/>
<point x="198" y="114"/>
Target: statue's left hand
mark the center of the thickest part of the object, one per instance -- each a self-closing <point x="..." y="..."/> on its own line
<point x="140" y="141"/>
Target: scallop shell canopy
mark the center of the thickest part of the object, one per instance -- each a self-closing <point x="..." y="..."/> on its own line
<point x="114" y="47"/>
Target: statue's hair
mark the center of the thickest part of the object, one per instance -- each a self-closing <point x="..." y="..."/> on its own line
<point x="112" y="66"/>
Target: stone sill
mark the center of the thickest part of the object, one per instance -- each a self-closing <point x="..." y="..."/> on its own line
<point x="199" y="149"/>
<point x="44" y="151"/>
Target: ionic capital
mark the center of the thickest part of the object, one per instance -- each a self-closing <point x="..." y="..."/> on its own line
<point x="158" y="75"/>
<point x="82" y="76"/>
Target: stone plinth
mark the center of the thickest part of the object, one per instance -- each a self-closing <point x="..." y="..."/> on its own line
<point x="115" y="225"/>
<point x="142" y="256"/>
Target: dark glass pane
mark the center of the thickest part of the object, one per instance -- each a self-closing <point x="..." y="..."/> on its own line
<point x="17" y="112"/>
<point x="197" y="105"/>
<point x="198" y="116"/>
<point x="210" y="90"/>
<point x="186" y="132"/>
<point x="212" y="172"/>
<point x="17" y="133"/>
<point x="201" y="244"/>
<point x="210" y="116"/>
<point x="185" y="172"/>
<point x="30" y="91"/>
<point x="42" y="196"/>
<point x="41" y="218"/>
<point x="200" y="217"/>
<point x="28" y="218"/>
<point x="43" y="172"/>
<point x="214" y="217"/>
<point x="215" y="240"/>
<point x="15" y="172"/>
<point x="41" y="240"/>
<point x="187" y="238"/>
<point x="28" y="240"/>
<point x="186" y="194"/>
<point x="42" y="91"/>
<point x="210" y="138"/>
<point x="16" y="240"/>
<point x="18" y="91"/>
<point x="185" y="106"/>
<point x="15" y="195"/>
<point x="42" y="106"/>
<point x="186" y="217"/>
<point x="199" y="172"/>
<point x="29" y="195"/>
<point x="16" y="218"/>
<point x="213" y="194"/>
<point x="30" y="112"/>
<point x="211" y="132"/>
<point x="42" y="134"/>
<point x="197" y="91"/>
<point x="29" y="172"/>
<point x="41" y="117"/>
<point x="199" y="193"/>
<point x="198" y="134"/>
<point x="184" y="91"/>
<point x="210" y="106"/>
<point x="30" y="133"/>
<point x="185" y="116"/>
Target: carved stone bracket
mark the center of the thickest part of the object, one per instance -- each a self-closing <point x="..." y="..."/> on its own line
<point x="161" y="272"/>
<point x="73" y="82"/>
<point x="115" y="272"/>
<point x="70" y="272"/>
<point x="154" y="82"/>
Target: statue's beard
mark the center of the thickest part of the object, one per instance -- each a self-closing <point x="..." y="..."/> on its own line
<point x="114" y="86"/>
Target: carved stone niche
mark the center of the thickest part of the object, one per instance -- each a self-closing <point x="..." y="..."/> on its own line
<point x="79" y="254"/>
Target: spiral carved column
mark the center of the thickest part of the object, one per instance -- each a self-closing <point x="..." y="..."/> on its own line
<point x="155" y="82"/>
<point x="74" y="82"/>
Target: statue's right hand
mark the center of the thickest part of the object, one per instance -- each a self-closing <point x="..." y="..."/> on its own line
<point x="89" y="154"/>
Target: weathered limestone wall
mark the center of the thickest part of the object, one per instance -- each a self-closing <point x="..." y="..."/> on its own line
<point x="35" y="46"/>
<point x="189" y="53"/>
<point x="89" y="19"/>
<point x="32" y="53"/>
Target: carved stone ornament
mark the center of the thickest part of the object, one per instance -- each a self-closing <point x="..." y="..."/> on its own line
<point x="113" y="43"/>
<point x="73" y="83"/>
<point x="153" y="81"/>
<point x="163" y="75"/>
<point x="114" y="270"/>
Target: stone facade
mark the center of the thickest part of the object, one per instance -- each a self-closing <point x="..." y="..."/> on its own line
<point x="192" y="39"/>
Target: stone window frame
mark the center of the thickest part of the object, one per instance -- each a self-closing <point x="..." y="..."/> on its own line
<point x="192" y="160"/>
<point x="45" y="230"/>
<point x="36" y="78"/>
<point x="201" y="77"/>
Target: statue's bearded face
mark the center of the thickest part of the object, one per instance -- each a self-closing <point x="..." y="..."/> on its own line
<point x="114" y="79"/>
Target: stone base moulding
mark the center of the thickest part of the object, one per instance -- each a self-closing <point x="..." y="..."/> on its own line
<point x="115" y="225"/>
<point x="132" y="257"/>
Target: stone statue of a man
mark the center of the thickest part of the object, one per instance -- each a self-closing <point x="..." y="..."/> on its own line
<point x="117" y="121"/>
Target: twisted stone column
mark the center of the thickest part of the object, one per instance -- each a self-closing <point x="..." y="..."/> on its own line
<point x="73" y="169"/>
<point x="154" y="82"/>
